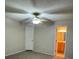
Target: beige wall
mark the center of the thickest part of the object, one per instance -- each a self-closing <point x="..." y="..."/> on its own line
<point x="14" y="37"/>
<point x="45" y="37"/>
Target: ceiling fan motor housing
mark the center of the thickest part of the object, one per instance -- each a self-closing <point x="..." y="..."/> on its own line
<point x="36" y="14"/>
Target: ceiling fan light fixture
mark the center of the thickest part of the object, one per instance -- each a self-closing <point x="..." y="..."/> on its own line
<point x="36" y="21"/>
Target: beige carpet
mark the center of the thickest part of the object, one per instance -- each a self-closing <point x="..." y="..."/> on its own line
<point x="29" y="55"/>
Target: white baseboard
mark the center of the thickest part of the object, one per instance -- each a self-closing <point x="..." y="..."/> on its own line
<point x="44" y="53"/>
<point x="14" y="53"/>
<point x="25" y="50"/>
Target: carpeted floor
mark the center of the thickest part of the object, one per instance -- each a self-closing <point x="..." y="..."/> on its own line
<point x="29" y="55"/>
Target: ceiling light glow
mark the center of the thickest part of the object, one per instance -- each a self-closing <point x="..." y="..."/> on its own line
<point x="36" y="21"/>
<point x="62" y="31"/>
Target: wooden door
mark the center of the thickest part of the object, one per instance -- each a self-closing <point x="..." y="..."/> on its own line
<point x="60" y="41"/>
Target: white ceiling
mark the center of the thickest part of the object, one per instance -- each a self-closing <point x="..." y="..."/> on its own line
<point x="42" y="6"/>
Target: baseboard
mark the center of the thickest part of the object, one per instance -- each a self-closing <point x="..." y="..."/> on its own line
<point x="28" y="50"/>
<point x="15" y="53"/>
<point x="44" y="53"/>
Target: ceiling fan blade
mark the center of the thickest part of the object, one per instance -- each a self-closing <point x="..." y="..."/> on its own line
<point x="11" y="9"/>
<point x="46" y="21"/>
<point x="55" y="17"/>
<point x="17" y="16"/>
<point x="26" y="21"/>
<point x="59" y="10"/>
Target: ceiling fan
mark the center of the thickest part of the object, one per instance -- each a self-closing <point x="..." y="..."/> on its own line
<point x="37" y="17"/>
